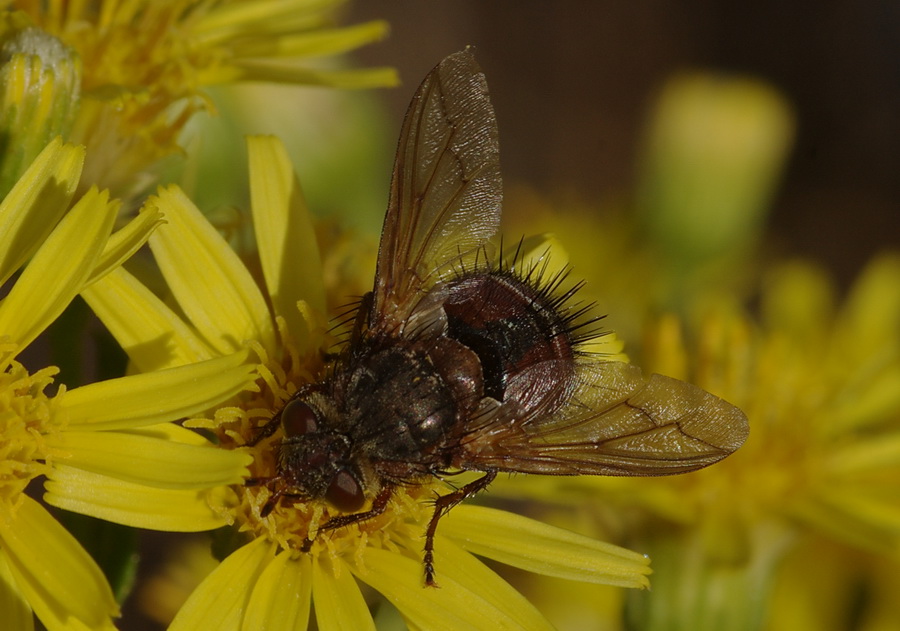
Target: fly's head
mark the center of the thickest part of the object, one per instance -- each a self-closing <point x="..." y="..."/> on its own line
<point x="314" y="460"/>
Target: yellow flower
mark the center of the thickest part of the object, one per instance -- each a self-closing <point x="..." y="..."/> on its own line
<point x="714" y="149"/>
<point x="40" y="82"/>
<point x="145" y="64"/>
<point x="101" y="434"/>
<point x="272" y="580"/>
<point x="784" y="532"/>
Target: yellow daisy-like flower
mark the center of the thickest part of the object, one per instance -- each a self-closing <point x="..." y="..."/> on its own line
<point x="145" y="64"/>
<point x="797" y="529"/>
<point x="40" y="82"/>
<point x="101" y="434"/>
<point x="274" y="578"/>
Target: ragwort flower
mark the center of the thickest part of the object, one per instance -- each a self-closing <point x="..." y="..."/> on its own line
<point x="40" y="83"/>
<point x="103" y="433"/>
<point x="275" y="577"/>
<point x="144" y="65"/>
<point x="798" y="529"/>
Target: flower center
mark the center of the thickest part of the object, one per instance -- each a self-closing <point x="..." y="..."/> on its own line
<point x="298" y="524"/>
<point x="26" y="416"/>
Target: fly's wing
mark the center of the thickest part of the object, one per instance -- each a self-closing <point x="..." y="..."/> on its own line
<point x="608" y="420"/>
<point x="446" y="189"/>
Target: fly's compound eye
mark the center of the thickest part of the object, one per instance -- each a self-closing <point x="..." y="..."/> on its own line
<point x="344" y="492"/>
<point x="298" y="419"/>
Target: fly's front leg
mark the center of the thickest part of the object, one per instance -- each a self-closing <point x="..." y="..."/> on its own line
<point x="442" y="506"/>
<point x="267" y="430"/>
<point x="378" y="505"/>
<point x="274" y="496"/>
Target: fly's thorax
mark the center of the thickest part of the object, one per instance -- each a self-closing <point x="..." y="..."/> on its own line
<point x="402" y="402"/>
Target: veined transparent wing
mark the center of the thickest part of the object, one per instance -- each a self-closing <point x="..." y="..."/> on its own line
<point x="446" y="190"/>
<point x="611" y="421"/>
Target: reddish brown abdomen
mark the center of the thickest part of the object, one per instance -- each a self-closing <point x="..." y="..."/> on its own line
<point x="509" y="324"/>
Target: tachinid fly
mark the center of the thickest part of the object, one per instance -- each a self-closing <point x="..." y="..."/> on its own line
<point x="457" y="363"/>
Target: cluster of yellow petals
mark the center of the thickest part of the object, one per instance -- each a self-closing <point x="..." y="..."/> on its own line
<point x="145" y="65"/>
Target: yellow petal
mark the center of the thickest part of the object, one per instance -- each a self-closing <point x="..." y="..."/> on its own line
<point x="142" y="457"/>
<point x="799" y="300"/>
<point x="58" y="270"/>
<point x="17" y="614"/>
<point x="157" y="397"/>
<point x="58" y="578"/>
<point x="453" y="606"/>
<point x="281" y="597"/>
<point x="318" y="42"/>
<point x="868" y="403"/>
<point x="125" y="242"/>
<point x="34" y="205"/>
<point x="207" y="278"/>
<point x="275" y="71"/>
<point x="150" y="332"/>
<point x="339" y="603"/>
<point x="135" y="505"/>
<point x="285" y="235"/>
<point x="543" y="549"/>
<point x="229" y="20"/>
<point x="870" y="315"/>
<point x="221" y="600"/>
<point x="174" y="433"/>
<point x="454" y="563"/>
<point x="877" y="454"/>
<point x="868" y="509"/>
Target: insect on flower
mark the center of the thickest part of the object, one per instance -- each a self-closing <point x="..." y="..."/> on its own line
<point x="456" y="363"/>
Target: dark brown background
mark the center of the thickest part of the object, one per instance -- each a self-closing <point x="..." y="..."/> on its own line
<point x="571" y="82"/>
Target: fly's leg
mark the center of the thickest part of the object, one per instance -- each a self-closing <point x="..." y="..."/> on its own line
<point x="267" y="430"/>
<point x="274" y="496"/>
<point x="442" y="506"/>
<point x="378" y="505"/>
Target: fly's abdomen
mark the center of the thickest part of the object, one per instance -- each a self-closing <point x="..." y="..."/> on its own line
<point x="509" y="324"/>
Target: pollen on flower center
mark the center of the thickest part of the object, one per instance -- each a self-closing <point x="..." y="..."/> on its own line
<point x="26" y="415"/>
<point x="297" y="524"/>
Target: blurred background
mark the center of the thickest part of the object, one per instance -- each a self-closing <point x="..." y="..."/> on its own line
<point x="573" y="86"/>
